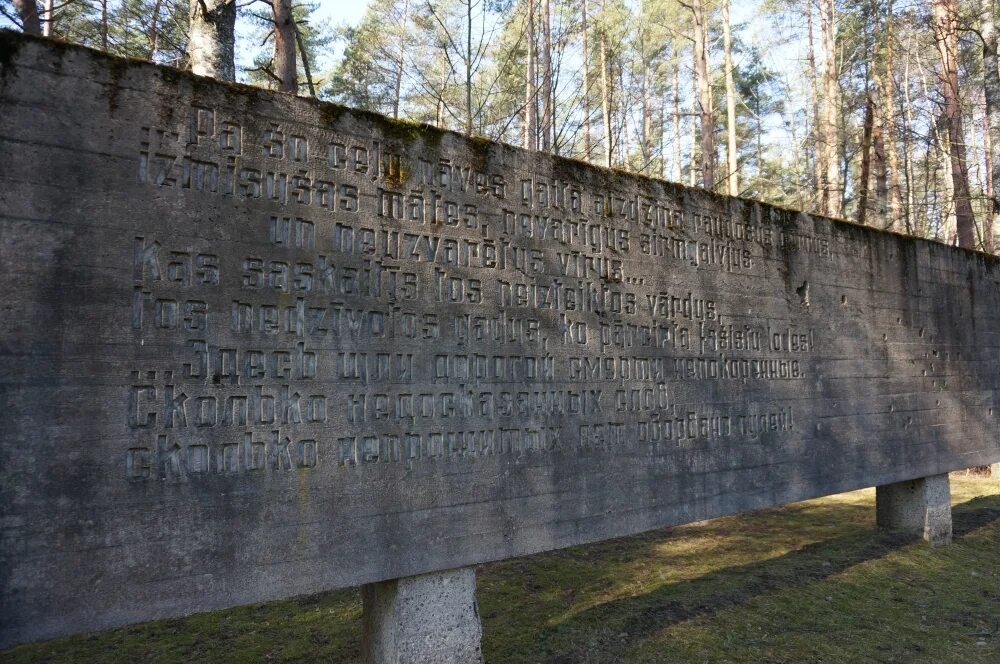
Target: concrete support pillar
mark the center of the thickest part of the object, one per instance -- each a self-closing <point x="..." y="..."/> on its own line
<point x="920" y="506"/>
<point x="995" y="471"/>
<point x="418" y="619"/>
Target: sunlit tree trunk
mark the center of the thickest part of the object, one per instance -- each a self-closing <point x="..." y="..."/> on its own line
<point x="530" y="138"/>
<point x="546" y="65"/>
<point x="586" y="84"/>
<point x="819" y="152"/>
<point x="946" y="36"/>
<point x="606" y="88"/>
<point x="646" y="147"/>
<point x="212" y="38"/>
<point x="675" y="173"/>
<point x="468" y="68"/>
<point x="284" y="46"/>
<point x="887" y="87"/>
<point x="991" y="85"/>
<point x="831" y="107"/>
<point x="909" y="213"/>
<point x="704" y="95"/>
<point x="694" y="162"/>
<point x="49" y="16"/>
<point x="400" y="59"/>
<point x="732" y="157"/>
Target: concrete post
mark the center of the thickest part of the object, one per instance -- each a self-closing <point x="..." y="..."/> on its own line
<point x="921" y="506"/>
<point x="418" y="619"/>
<point x="995" y="471"/>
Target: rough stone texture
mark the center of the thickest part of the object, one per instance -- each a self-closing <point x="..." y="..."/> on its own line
<point x="255" y="346"/>
<point x="920" y="506"/>
<point x="426" y="618"/>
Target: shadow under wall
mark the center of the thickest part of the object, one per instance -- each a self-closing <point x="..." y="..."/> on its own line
<point x="735" y="586"/>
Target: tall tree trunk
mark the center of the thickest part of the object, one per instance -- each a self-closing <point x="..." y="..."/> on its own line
<point x="468" y="67"/>
<point x="663" y="135"/>
<point x="693" y="133"/>
<point x="530" y="88"/>
<point x="704" y="95"/>
<point x="49" y="21"/>
<point x="946" y="36"/>
<point x="887" y="86"/>
<point x="104" y="25"/>
<point x="618" y="114"/>
<point x="586" y="84"/>
<point x="819" y="153"/>
<point x="882" y="218"/>
<point x="693" y="162"/>
<point x="864" y="179"/>
<point x="732" y="157"/>
<point x="647" y="122"/>
<point x="606" y="87"/>
<point x="27" y="11"/>
<point x="675" y="173"/>
<point x="397" y="87"/>
<point x="284" y="46"/>
<point x="993" y="212"/>
<point x="909" y="218"/>
<point x="212" y="38"/>
<point x="831" y="124"/>
<point x="646" y="147"/>
<point x="991" y="85"/>
<point x="546" y="64"/>
<point x="153" y="35"/>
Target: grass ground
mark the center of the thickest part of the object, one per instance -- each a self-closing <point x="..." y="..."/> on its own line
<point x="808" y="582"/>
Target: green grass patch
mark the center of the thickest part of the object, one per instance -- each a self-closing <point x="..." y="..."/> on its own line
<point x="808" y="582"/>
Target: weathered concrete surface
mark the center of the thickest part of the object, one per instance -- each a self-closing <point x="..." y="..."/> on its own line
<point x="254" y="346"/>
<point x="921" y="506"/>
<point x="427" y="618"/>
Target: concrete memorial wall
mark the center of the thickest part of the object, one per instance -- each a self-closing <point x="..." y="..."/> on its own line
<point x="256" y="346"/>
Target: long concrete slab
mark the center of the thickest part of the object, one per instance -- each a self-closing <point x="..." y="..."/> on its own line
<point x="255" y="346"/>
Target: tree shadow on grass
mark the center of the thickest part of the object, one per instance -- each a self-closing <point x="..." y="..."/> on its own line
<point x="619" y="624"/>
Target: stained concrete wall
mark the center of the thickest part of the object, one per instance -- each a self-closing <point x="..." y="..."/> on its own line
<point x="256" y="346"/>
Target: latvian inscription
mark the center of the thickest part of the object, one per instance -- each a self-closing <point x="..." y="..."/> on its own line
<point x="257" y="347"/>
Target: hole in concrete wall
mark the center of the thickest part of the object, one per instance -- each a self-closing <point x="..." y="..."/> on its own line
<point x="991" y="411"/>
<point x="898" y="320"/>
<point x="885" y="337"/>
<point x="803" y="293"/>
<point x="843" y="299"/>
<point x="920" y="332"/>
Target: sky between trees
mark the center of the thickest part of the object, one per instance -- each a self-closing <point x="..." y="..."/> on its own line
<point x="884" y="112"/>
